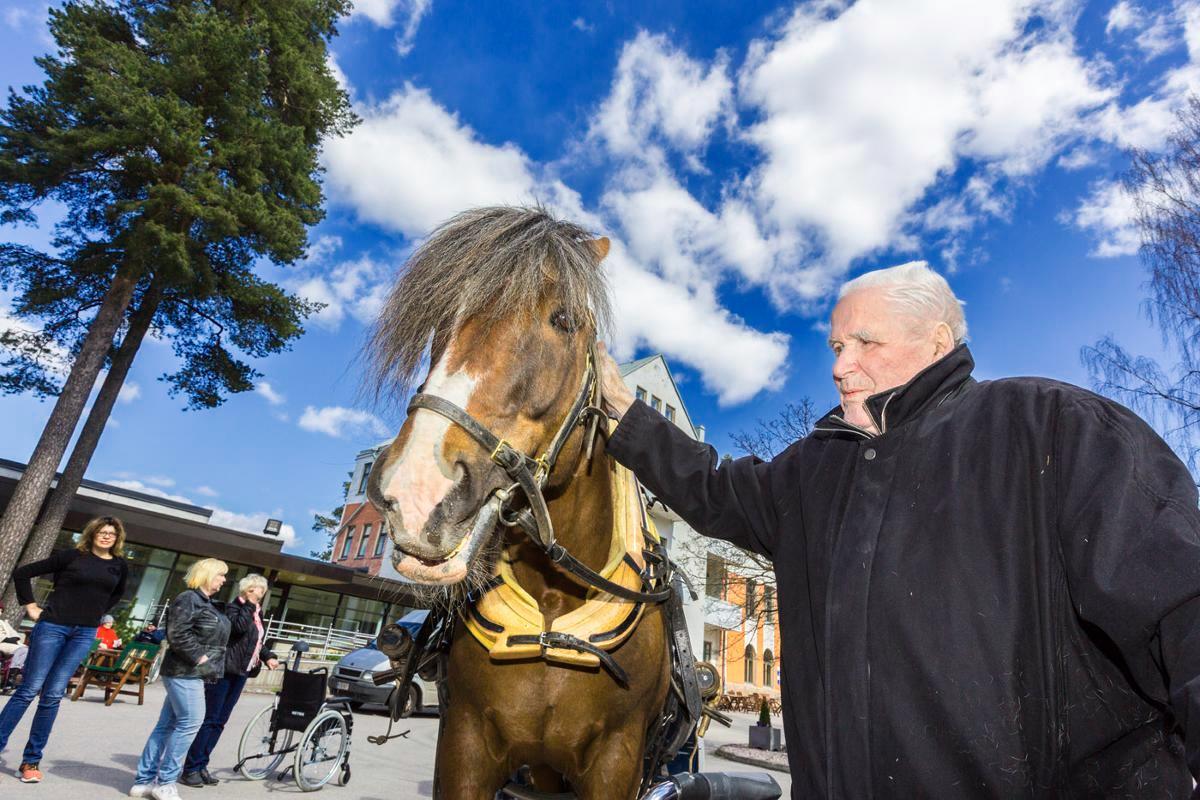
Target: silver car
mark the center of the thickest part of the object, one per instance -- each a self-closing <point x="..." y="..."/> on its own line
<point x="352" y="677"/>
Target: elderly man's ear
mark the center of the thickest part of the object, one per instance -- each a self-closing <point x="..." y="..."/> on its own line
<point x="943" y="340"/>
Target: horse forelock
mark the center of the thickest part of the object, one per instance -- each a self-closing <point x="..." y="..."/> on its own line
<point x="485" y="265"/>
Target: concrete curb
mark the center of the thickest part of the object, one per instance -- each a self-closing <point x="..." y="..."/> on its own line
<point x="744" y="755"/>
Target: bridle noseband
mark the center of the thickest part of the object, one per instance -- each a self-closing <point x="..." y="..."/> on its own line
<point x="530" y="475"/>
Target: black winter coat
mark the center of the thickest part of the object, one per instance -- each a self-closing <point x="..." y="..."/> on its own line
<point x="195" y="628"/>
<point x="999" y="596"/>
<point x="243" y="633"/>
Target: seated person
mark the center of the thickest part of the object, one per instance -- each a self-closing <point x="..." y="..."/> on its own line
<point x="151" y="634"/>
<point x="13" y="648"/>
<point x="107" y="634"/>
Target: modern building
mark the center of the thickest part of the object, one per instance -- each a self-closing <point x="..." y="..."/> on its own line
<point x="165" y="537"/>
<point x="731" y="623"/>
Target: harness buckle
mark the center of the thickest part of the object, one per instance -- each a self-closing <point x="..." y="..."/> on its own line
<point x="542" y="469"/>
<point x="544" y="640"/>
<point x="502" y="446"/>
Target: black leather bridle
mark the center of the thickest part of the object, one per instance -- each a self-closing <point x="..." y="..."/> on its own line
<point x="530" y="474"/>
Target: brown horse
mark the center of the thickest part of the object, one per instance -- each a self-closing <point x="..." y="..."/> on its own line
<point x="505" y="304"/>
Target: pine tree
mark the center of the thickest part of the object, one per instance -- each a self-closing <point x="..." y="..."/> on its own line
<point x="182" y="140"/>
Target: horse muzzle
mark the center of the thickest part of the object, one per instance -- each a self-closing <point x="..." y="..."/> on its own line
<point x="454" y="566"/>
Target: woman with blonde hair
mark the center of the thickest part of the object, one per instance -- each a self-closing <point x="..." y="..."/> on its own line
<point x="89" y="579"/>
<point x="244" y="657"/>
<point x="197" y="632"/>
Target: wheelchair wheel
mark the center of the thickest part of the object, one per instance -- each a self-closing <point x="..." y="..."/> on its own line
<point x="255" y="757"/>
<point x="322" y="749"/>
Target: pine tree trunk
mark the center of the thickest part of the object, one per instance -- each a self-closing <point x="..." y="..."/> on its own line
<point x="50" y="523"/>
<point x="31" y="489"/>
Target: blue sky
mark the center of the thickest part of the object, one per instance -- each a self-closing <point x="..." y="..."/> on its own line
<point x="743" y="157"/>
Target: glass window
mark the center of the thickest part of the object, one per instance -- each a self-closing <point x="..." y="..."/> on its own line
<point x="306" y="606"/>
<point x="768" y="668"/>
<point x="366" y="474"/>
<point x="708" y="651"/>
<point x="349" y="540"/>
<point x="714" y="577"/>
<point x="670" y="412"/>
<point x="381" y="539"/>
<point x="360" y="614"/>
<point x="751" y="598"/>
<point x="656" y="403"/>
<point x="363" y="540"/>
<point x="769" y="603"/>
<point x="640" y="393"/>
<point x="749" y="664"/>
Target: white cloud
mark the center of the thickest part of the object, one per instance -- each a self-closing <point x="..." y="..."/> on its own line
<point x="206" y="491"/>
<point x="1123" y="16"/>
<point x="338" y="421"/>
<point x="130" y="391"/>
<point x="1108" y="213"/>
<point x="411" y="165"/>
<point x="581" y="24"/>
<point x="866" y="108"/>
<point x="735" y="361"/>
<point x="253" y="522"/>
<point x="273" y="397"/>
<point x="144" y="487"/>
<point x="356" y="288"/>
<point x="660" y="95"/>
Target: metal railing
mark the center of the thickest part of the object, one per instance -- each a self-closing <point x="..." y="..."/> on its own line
<point x="324" y="642"/>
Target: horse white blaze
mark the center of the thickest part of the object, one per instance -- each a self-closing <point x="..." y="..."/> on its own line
<point x="420" y="476"/>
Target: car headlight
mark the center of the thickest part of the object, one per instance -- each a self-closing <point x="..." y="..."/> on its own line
<point x="367" y="675"/>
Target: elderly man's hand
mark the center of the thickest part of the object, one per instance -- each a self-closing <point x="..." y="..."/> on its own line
<point x="617" y="397"/>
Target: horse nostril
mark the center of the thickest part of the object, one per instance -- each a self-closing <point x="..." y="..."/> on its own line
<point x="393" y="505"/>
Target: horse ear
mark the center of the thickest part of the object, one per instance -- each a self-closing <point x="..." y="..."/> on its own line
<point x="599" y="247"/>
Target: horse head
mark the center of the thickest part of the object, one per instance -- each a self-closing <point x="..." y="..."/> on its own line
<point x="505" y="302"/>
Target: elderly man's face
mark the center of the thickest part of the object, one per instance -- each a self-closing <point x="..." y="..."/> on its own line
<point x="877" y="349"/>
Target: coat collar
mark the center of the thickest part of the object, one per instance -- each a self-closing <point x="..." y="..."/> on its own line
<point x="929" y="388"/>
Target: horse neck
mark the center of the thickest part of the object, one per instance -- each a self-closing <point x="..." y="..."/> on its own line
<point x="582" y="513"/>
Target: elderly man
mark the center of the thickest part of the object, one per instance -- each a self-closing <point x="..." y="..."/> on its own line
<point x="985" y="589"/>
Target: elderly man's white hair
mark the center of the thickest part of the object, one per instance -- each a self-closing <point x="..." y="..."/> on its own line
<point x="918" y="291"/>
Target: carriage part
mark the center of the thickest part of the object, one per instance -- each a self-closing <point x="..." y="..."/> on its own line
<point x="394" y="641"/>
<point x="709" y="680"/>
<point x="717" y="786"/>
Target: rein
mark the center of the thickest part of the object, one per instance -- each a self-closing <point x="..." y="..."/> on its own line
<point x="530" y="474"/>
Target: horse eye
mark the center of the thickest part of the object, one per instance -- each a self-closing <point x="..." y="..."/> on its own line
<point x="562" y="320"/>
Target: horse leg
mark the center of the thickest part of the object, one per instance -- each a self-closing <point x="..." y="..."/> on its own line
<point x="464" y="767"/>
<point x="616" y="771"/>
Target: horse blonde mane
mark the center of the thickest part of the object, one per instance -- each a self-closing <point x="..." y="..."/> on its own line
<point x="485" y="264"/>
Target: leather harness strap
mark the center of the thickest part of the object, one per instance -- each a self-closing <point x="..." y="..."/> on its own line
<point x="555" y="639"/>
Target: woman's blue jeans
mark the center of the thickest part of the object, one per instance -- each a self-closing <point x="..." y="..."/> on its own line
<point x="55" y="652"/>
<point x="182" y="713"/>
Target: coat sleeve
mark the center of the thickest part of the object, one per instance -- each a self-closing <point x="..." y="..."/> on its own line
<point x="728" y="500"/>
<point x="1129" y="526"/>
<point x="181" y="634"/>
<point x="23" y="576"/>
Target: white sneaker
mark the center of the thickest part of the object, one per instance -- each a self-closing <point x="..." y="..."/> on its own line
<point x="141" y="790"/>
<point x="166" y="791"/>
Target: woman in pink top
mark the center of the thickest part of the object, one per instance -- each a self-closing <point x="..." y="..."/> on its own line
<point x="244" y="656"/>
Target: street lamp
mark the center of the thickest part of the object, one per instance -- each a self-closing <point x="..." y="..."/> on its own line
<point x="272" y="527"/>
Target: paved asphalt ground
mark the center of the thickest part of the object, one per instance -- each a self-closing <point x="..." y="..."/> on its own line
<point x="94" y="750"/>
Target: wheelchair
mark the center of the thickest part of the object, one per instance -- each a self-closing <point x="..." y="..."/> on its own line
<point x="314" y="730"/>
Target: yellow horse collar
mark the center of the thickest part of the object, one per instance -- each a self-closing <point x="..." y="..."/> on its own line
<point x="507" y="621"/>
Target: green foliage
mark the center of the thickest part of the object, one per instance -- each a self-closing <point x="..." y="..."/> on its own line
<point x="764" y="713"/>
<point x="182" y="138"/>
<point x="329" y="524"/>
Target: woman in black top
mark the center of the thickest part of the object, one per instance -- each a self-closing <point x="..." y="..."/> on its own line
<point x="88" y="581"/>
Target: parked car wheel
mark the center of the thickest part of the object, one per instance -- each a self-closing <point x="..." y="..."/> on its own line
<point x="412" y="703"/>
<point x="356" y="705"/>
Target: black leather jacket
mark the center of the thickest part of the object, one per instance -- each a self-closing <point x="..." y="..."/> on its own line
<point x="195" y="628"/>
<point x="243" y="635"/>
